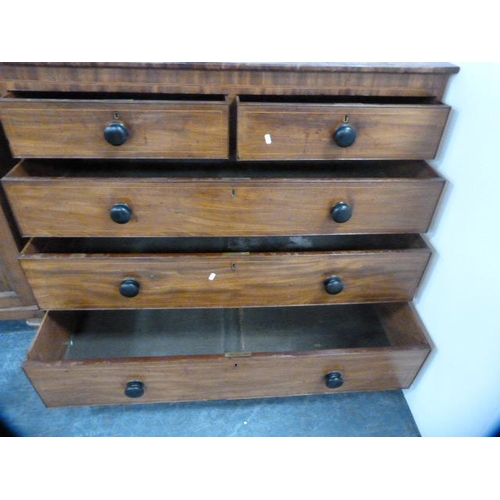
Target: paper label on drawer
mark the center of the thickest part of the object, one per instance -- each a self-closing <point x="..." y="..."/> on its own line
<point x="211" y="277"/>
<point x="268" y="139"/>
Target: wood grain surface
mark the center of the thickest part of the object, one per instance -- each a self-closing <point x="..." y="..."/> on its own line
<point x="97" y="382"/>
<point x="383" y="79"/>
<point x="74" y="128"/>
<point x="76" y="205"/>
<point x="329" y="67"/>
<point x="264" y="113"/>
<point x="86" y="281"/>
<point x="305" y="131"/>
<point x="16" y="298"/>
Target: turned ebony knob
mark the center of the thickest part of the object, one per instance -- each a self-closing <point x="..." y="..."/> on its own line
<point x="134" y="389"/>
<point x="333" y="285"/>
<point x="344" y="135"/>
<point x="120" y="213"/>
<point x="116" y="133"/>
<point x="129" y="287"/>
<point x="333" y="380"/>
<point x="341" y="212"/>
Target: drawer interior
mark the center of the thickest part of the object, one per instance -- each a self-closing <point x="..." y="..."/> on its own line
<point x="37" y="247"/>
<point x="111" y="96"/>
<point x="95" y="357"/>
<point x="242" y="98"/>
<point x="222" y="331"/>
<point x="52" y="170"/>
<point x="340" y="99"/>
<point x="114" y="334"/>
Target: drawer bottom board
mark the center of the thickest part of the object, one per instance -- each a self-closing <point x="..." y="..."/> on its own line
<point x="91" y="357"/>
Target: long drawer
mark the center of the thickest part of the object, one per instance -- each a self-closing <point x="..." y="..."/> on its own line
<point x="120" y="357"/>
<point x="89" y="274"/>
<point x="137" y="199"/>
<point x="300" y="131"/>
<point x="65" y="126"/>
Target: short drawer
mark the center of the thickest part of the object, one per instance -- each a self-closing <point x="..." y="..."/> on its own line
<point x="300" y="131"/>
<point x="93" y="199"/>
<point x="65" y="126"/>
<point x="90" y="274"/>
<point x="121" y="357"/>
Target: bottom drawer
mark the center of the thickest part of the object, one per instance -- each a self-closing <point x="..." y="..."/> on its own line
<point x="146" y="356"/>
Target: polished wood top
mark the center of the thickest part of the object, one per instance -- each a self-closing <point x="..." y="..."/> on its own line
<point x="252" y="78"/>
<point x="353" y="67"/>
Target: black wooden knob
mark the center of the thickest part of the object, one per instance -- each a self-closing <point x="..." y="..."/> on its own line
<point x="120" y="213"/>
<point x="116" y="133"/>
<point x="341" y="212"/>
<point x="333" y="380"/>
<point x="344" y="135"/>
<point x="129" y="287"/>
<point x="333" y="285"/>
<point x="134" y="389"/>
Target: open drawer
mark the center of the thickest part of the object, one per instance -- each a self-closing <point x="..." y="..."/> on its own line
<point x="128" y="273"/>
<point x="348" y="128"/>
<point x="107" y="125"/>
<point x="88" y="198"/>
<point x="115" y="357"/>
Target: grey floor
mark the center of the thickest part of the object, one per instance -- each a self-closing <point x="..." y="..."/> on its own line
<point x="348" y="415"/>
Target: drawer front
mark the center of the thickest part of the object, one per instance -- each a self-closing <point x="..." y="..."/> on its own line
<point x="76" y="281"/>
<point x="82" y="129"/>
<point x="312" y="131"/>
<point x="62" y="380"/>
<point x="225" y="207"/>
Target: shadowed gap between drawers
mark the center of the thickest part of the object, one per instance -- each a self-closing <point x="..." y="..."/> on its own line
<point x="128" y="96"/>
<point x="332" y="243"/>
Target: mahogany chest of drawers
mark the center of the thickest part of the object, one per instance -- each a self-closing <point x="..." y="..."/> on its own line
<point x="214" y="231"/>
